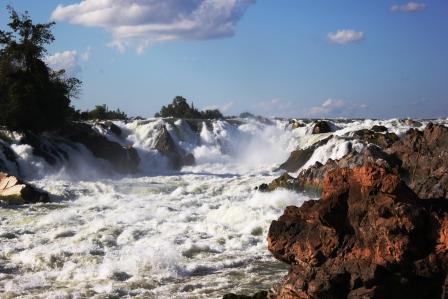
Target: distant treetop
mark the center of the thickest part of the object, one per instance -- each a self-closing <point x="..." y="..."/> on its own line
<point x="180" y="108"/>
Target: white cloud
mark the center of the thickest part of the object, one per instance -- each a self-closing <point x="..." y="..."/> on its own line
<point x="332" y="107"/>
<point x="141" y="23"/>
<point x="223" y="108"/>
<point x="346" y="36"/>
<point x="408" y="7"/>
<point x="70" y="61"/>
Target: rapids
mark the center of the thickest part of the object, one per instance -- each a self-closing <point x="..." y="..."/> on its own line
<point x="199" y="232"/>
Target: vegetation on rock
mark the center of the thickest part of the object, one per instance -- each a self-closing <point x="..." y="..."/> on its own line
<point x="180" y="108"/>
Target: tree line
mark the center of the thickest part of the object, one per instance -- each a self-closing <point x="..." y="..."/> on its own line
<point x="35" y="97"/>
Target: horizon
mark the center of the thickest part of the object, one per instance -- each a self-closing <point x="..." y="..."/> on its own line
<point x="295" y="59"/>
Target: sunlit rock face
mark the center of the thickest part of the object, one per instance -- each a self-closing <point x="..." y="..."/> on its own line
<point x="369" y="235"/>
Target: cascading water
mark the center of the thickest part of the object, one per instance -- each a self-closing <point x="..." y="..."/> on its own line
<point x="195" y="232"/>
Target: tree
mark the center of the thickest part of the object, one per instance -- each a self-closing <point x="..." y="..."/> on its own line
<point x="32" y="95"/>
<point x="180" y="108"/>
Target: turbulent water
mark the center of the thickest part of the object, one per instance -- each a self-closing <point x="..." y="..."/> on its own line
<point x="195" y="233"/>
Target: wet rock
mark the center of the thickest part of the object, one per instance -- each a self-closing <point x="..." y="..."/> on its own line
<point x="424" y="157"/>
<point x="383" y="140"/>
<point x="379" y="129"/>
<point x="411" y="122"/>
<point x="284" y="181"/>
<point x="167" y="147"/>
<point x="294" y="123"/>
<point x="323" y="127"/>
<point x="368" y="236"/>
<point x="259" y="295"/>
<point x="15" y="191"/>
<point x="299" y="157"/>
<point x="310" y="180"/>
<point x="110" y="126"/>
<point x="123" y="159"/>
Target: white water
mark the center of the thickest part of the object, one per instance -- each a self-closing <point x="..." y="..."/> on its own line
<point x="199" y="232"/>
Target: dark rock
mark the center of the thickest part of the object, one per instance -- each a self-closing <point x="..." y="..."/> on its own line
<point x="323" y="127"/>
<point x="379" y="129"/>
<point x="299" y="157"/>
<point x="411" y="122"/>
<point x="424" y="157"/>
<point x="15" y="191"/>
<point x="110" y="126"/>
<point x="284" y="181"/>
<point x="382" y="140"/>
<point x="189" y="160"/>
<point x="123" y="159"/>
<point x="167" y="147"/>
<point x="259" y="295"/>
<point x="368" y="236"/>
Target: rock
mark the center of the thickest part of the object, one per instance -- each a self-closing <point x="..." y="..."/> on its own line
<point x="167" y="147"/>
<point x="411" y="122"/>
<point x="310" y="180"/>
<point x="294" y="123"/>
<point x="299" y="157"/>
<point x="379" y="129"/>
<point x="284" y="181"/>
<point x="369" y="236"/>
<point x="424" y="157"/>
<point x="123" y="159"/>
<point x="14" y="191"/>
<point x="382" y="140"/>
<point x="322" y="127"/>
<point x="259" y="295"/>
<point x="110" y="126"/>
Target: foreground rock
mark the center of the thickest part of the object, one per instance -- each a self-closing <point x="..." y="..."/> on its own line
<point x="424" y="157"/>
<point x="369" y="236"/>
<point x="259" y="295"/>
<point x="14" y="191"/>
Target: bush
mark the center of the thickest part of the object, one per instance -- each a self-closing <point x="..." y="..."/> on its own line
<point x="179" y="108"/>
<point x="32" y="96"/>
<point x="101" y="112"/>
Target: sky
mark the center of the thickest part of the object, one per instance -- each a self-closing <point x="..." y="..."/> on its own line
<point x="291" y="58"/>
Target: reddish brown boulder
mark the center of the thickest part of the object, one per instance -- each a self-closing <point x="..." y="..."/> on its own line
<point x="369" y="236"/>
<point x="424" y="157"/>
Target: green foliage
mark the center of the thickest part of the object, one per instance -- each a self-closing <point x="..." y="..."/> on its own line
<point x="180" y="108"/>
<point x="101" y="112"/>
<point x="32" y="96"/>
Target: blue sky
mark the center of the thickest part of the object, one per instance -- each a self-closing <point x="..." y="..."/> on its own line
<point x="298" y="58"/>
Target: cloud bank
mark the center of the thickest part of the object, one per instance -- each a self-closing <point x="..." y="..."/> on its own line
<point x="70" y="61"/>
<point x="346" y="36"/>
<point x="408" y="7"/>
<point x="335" y="108"/>
<point x="141" y="23"/>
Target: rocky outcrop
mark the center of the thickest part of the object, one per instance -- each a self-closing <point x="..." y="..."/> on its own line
<point x="15" y="191"/>
<point x="299" y="157"/>
<point x="424" y="158"/>
<point x="383" y="140"/>
<point x="167" y="147"/>
<point x="123" y="159"/>
<point x="322" y="126"/>
<point x="379" y="129"/>
<point x="369" y="236"/>
<point x="311" y="179"/>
